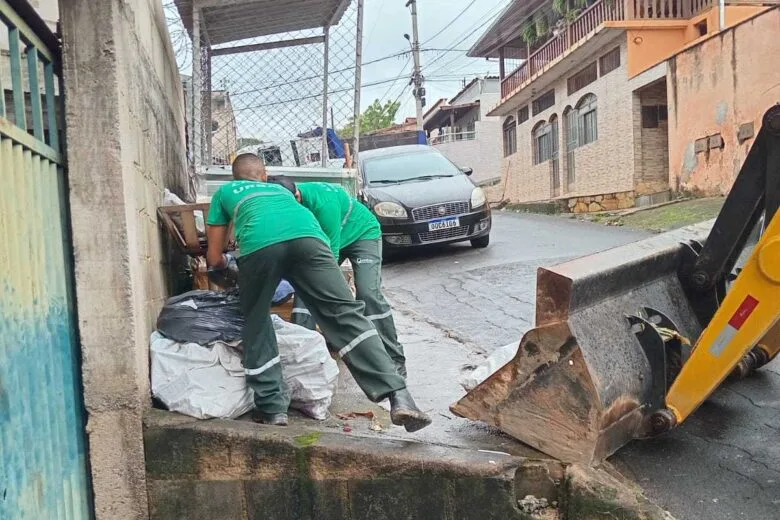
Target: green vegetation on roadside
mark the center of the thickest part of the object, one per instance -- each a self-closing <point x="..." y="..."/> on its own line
<point x="665" y="218"/>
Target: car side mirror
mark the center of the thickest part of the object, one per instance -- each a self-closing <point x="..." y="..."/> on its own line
<point x="467" y="171"/>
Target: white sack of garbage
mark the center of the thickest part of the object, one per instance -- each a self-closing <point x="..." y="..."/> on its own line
<point x="208" y="382"/>
<point x="500" y="357"/>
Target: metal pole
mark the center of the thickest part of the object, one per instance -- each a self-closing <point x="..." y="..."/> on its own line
<point x="358" y="80"/>
<point x="209" y="115"/>
<point x="722" y="12"/>
<point x="325" y="99"/>
<point x="197" y="89"/>
<point x="417" y="79"/>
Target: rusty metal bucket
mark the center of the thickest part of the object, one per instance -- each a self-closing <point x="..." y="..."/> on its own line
<point x="581" y="384"/>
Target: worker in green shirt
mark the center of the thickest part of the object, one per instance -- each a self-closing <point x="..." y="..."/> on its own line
<point x="278" y="238"/>
<point x="354" y="234"/>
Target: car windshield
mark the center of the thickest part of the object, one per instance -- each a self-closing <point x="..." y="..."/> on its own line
<point x="407" y="167"/>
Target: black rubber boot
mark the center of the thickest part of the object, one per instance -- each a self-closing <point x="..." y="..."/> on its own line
<point x="274" y="419"/>
<point x="404" y="412"/>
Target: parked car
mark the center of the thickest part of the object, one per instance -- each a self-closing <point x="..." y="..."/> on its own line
<point x="421" y="198"/>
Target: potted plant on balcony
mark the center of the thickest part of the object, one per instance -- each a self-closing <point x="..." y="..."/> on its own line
<point x="542" y="25"/>
<point x="529" y="33"/>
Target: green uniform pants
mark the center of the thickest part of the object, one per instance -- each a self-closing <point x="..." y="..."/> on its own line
<point x="309" y="266"/>
<point x="366" y="259"/>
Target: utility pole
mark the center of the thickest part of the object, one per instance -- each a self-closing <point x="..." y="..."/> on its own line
<point x="417" y="77"/>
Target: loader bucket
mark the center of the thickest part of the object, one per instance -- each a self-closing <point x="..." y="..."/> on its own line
<point x="582" y="384"/>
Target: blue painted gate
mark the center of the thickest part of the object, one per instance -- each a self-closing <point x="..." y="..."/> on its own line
<point x="42" y="440"/>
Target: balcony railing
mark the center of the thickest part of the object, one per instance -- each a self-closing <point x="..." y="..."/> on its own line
<point x="450" y="138"/>
<point x="587" y="22"/>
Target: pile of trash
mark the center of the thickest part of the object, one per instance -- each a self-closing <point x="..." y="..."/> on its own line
<point x="196" y="358"/>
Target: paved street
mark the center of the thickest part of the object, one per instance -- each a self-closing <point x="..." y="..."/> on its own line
<point x="723" y="463"/>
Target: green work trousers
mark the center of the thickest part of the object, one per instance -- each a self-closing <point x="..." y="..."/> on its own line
<point x="366" y="259"/>
<point x="308" y="264"/>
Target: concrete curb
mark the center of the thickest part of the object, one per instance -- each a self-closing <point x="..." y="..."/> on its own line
<point x="240" y="470"/>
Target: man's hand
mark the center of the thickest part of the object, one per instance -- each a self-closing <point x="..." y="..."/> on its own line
<point x="217" y="237"/>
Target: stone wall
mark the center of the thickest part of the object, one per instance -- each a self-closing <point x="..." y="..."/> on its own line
<point x="603" y="166"/>
<point x="606" y="202"/>
<point x="716" y="88"/>
<point x="125" y="131"/>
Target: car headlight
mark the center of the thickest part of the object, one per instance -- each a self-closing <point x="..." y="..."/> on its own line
<point x="390" y="210"/>
<point x="478" y="198"/>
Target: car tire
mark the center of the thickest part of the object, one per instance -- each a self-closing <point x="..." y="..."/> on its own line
<point x="481" y="242"/>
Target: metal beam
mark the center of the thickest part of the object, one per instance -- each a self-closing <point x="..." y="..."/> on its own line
<point x="325" y="66"/>
<point x="267" y="46"/>
<point x="358" y="80"/>
<point x="203" y="4"/>
<point x="339" y="12"/>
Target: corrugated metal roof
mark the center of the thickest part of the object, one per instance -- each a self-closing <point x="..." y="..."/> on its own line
<point x="233" y="20"/>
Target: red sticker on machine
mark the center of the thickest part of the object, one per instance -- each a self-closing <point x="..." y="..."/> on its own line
<point x="744" y="312"/>
<point x="735" y="323"/>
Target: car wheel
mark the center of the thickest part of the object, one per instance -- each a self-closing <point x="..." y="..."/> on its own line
<point x="481" y="242"/>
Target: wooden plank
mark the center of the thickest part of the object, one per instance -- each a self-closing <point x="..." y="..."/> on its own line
<point x="190" y="231"/>
<point x="35" y="93"/>
<point x="16" y="77"/>
<point x="21" y="137"/>
<point x="51" y="106"/>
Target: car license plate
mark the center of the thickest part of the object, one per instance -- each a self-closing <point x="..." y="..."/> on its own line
<point x="445" y="223"/>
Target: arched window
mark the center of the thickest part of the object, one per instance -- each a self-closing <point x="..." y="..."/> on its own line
<point x="555" y="164"/>
<point x="587" y="120"/>
<point x="542" y="142"/>
<point x="510" y="136"/>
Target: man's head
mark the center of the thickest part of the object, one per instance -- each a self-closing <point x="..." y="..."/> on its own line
<point x="249" y="167"/>
<point x="286" y="183"/>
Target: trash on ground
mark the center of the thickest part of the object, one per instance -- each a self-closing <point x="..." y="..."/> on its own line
<point x="531" y="505"/>
<point x="203" y="382"/>
<point x="206" y="380"/>
<point x="500" y="357"/>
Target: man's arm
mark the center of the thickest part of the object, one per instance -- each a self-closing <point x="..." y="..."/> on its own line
<point x="217" y="237"/>
<point x="217" y="232"/>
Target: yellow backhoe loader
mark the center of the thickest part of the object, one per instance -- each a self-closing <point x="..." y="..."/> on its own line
<point x="630" y="341"/>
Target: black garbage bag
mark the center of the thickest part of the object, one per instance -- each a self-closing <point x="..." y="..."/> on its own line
<point x="202" y="317"/>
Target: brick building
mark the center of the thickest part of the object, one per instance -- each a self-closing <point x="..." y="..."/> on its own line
<point x="585" y="105"/>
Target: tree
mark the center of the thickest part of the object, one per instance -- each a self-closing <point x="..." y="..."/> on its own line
<point x="375" y="117"/>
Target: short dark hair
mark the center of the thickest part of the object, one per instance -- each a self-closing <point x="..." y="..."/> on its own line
<point x="284" y="182"/>
<point x="247" y="166"/>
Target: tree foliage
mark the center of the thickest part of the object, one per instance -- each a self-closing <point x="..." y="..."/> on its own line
<point x="376" y="117"/>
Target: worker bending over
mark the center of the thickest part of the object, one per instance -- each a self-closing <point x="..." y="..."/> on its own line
<point x="354" y="234"/>
<point x="278" y="238"/>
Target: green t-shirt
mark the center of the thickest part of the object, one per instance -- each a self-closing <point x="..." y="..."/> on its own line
<point x="264" y="214"/>
<point x="342" y="217"/>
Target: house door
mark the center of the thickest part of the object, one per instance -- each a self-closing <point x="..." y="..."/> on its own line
<point x="555" y="157"/>
<point x="570" y="136"/>
<point x="43" y="471"/>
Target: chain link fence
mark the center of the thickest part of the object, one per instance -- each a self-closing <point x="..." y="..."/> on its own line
<point x="269" y="94"/>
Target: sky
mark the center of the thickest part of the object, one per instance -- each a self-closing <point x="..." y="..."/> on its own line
<point x="386" y="21"/>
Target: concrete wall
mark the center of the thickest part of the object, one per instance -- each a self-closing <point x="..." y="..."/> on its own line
<point x="125" y="125"/>
<point x="713" y="89"/>
<point x="483" y="154"/>
<point x="604" y="166"/>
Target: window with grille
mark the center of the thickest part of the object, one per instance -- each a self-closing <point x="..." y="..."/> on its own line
<point x="510" y="136"/>
<point x="543" y="142"/>
<point x="522" y="115"/>
<point x="582" y="79"/>
<point x="610" y="61"/>
<point x="587" y="120"/>
<point x="543" y="102"/>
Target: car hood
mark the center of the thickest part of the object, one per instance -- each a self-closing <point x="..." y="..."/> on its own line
<point x="414" y="194"/>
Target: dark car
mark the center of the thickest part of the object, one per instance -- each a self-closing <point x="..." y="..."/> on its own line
<point x="421" y="198"/>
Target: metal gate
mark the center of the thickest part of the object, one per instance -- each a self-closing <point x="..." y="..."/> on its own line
<point x="42" y="439"/>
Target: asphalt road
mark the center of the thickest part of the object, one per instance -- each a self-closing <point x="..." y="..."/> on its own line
<point x="723" y="463"/>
